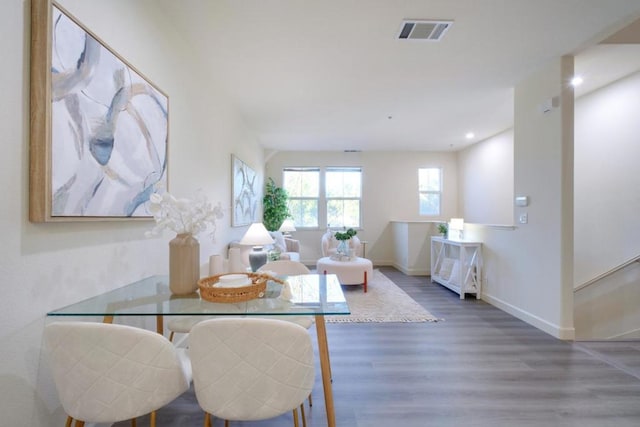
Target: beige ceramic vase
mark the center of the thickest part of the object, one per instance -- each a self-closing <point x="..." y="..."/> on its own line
<point x="184" y="264"/>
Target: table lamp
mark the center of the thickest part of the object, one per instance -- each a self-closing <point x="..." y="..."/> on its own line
<point x="257" y="236"/>
<point x="287" y="227"/>
<point x="456" y="224"/>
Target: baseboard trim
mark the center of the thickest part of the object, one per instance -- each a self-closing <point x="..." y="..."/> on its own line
<point x="633" y="334"/>
<point x="411" y="271"/>
<point x="567" y="334"/>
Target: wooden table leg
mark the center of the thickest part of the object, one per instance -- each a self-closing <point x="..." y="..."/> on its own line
<point x="325" y="367"/>
<point x="365" y="281"/>
<point x="160" y="324"/>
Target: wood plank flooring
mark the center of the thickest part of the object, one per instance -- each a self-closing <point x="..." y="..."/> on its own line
<point x="478" y="367"/>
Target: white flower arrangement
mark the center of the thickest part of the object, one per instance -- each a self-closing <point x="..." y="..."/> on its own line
<point x="183" y="215"/>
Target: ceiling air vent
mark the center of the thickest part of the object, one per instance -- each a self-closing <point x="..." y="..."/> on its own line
<point x="423" y="30"/>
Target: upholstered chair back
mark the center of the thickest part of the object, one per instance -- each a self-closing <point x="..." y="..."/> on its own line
<point x="106" y="373"/>
<point x="285" y="267"/>
<point x="250" y="368"/>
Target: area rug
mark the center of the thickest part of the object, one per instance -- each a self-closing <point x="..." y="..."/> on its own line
<point x="383" y="302"/>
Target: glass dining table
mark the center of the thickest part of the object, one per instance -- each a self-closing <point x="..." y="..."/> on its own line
<point x="315" y="295"/>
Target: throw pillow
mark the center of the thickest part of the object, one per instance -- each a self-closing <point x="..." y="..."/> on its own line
<point x="279" y="243"/>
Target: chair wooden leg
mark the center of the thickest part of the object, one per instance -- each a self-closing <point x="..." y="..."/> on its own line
<point x="295" y="418"/>
<point x="302" y="414"/>
<point x="69" y="421"/>
<point x="226" y="423"/>
<point x="152" y="421"/>
<point x="207" y="419"/>
<point x="134" y="423"/>
<point x="310" y="400"/>
<point x="79" y="423"/>
<point x="171" y="336"/>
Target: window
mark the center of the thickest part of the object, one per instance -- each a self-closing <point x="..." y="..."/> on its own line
<point x="430" y="190"/>
<point x="343" y="187"/>
<point x="303" y="187"/>
<point x="339" y="205"/>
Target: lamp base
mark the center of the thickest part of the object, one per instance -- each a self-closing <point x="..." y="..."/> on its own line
<point x="257" y="258"/>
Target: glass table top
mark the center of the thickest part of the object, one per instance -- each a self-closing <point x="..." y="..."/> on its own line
<point x="313" y="294"/>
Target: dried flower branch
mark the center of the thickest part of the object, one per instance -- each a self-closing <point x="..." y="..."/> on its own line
<point x="183" y="215"/>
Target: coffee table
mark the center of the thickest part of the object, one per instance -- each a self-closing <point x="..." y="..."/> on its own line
<point x="352" y="272"/>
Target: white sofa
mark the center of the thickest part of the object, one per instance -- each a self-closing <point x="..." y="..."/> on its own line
<point x="287" y="247"/>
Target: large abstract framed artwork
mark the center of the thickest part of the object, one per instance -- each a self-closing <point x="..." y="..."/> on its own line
<point x="245" y="196"/>
<point x="99" y="128"/>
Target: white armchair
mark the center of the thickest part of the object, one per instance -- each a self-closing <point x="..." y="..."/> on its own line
<point x="330" y="243"/>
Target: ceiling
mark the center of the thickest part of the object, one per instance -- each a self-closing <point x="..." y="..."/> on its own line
<point x="332" y="75"/>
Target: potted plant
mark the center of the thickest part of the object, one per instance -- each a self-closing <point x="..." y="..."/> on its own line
<point x="346" y="235"/>
<point x="274" y="203"/>
<point x="343" y="238"/>
<point x="443" y="229"/>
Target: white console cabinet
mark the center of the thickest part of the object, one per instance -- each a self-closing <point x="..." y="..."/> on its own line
<point x="457" y="264"/>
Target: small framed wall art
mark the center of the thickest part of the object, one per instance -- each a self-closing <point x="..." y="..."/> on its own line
<point x="245" y="194"/>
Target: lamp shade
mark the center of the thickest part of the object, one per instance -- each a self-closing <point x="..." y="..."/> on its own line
<point x="456" y="224"/>
<point x="287" y="226"/>
<point x="256" y="235"/>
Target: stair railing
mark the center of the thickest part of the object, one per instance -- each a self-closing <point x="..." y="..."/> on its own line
<point x="607" y="273"/>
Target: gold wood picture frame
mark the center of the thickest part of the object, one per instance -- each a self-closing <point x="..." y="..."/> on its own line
<point x="99" y="128"/>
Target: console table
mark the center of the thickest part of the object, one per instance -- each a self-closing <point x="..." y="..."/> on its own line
<point x="457" y="265"/>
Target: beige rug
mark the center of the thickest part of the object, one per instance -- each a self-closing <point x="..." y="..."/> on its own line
<point x="383" y="302"/>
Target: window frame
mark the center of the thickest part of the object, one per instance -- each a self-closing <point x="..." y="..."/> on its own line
<point x="323" y="199"/>
<point x="439" y="192"/>
<point x="303" y="198"/>
<point x="328" y="199"/>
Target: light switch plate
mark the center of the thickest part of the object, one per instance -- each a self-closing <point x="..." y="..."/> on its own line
<point x="524" y="218"/>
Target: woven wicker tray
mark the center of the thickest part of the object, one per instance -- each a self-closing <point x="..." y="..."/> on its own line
<point x="210" y="292"/>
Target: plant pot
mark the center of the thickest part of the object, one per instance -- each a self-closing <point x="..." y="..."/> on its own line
<point x="343" y="248"/>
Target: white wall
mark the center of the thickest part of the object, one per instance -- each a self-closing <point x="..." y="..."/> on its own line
<point x="485" y="175"/>
<point x="412" y="246"/>
<point x="389" y="192"/>
<point x="529" y="267"/>
<point x="610" y="310"/>
<point x="605" y="214"/>
<point x="606" y="170"/>
<point x="46" y="266"/>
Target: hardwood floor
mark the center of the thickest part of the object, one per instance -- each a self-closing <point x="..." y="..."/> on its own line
<point x="478" y="367"/>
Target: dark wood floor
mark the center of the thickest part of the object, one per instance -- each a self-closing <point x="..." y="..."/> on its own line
<point x="478" y="367"/>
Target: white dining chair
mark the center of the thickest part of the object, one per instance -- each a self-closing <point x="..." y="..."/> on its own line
<point x="288" y="267"/>
<point x="248" y="369"/>
<point x="285" y="267"/>
<point x="106" y="373"/>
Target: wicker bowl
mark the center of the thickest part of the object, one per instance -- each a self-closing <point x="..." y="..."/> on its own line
<point x="210" y="292"/>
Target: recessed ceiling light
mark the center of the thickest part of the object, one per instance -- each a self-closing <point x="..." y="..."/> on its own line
<point x="576" y="81"/>
<point x="469" y="135"/>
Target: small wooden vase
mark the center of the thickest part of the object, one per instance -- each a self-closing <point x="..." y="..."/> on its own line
<point x="184" y="264"/>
